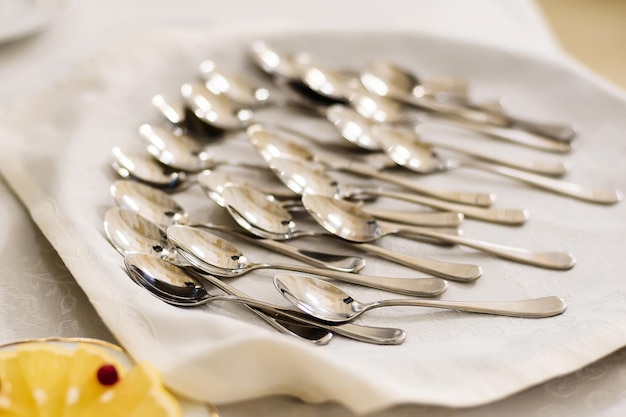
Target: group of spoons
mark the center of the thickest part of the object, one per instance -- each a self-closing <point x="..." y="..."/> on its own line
<point x="375" y="110"/>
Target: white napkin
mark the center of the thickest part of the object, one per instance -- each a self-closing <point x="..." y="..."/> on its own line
<point x="56" y="155"/>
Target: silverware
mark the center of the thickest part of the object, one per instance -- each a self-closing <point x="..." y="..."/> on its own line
<point x="421" y="158"/>
<point x="263" y="217"/>
<point x="217" y="256"/>
<point x="349" y="222"/>
<point x="328" y="302"/>
<point x="270" y="144"/>
<point x="175" y="286"/>
<point x="158" y="207"/>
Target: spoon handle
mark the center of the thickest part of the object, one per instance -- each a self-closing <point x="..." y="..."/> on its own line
<point x="501" y="216"/>
<point x="462" y="197"/>
<point x="369" y="334"/>
<point x="417" y="287"/>
<point x="447" y="270"/>
<point x="553" y="169"/>
<point x="519" y="137"/>
<point x="550" y="260"/>
<point x="430" y="219"/>
<point x="569" y="189"/>
<point x="530" y="308"/>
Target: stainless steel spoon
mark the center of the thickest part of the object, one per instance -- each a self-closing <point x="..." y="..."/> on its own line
<point x="130" y="233"/>
<point x="217" y="256"/>
<point x="387" y="79"/>
<point x="421" y="158"/>
<point x="358" y="130"/>
<point x="348" y="221"/>
<point x="213" y="183"/>
<point x="303" y="177"/>
<point x="384" y="110"/>
<point x="271" y="144"/>
<point x="145" y="169"/>
<point x="160" y="208"/>
<point x="264" y="217"/>
<point x="328" y="302"/>
<point x="177" y="287"/>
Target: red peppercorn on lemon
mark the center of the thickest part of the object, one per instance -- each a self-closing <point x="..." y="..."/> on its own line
<point x="51" y="380"/>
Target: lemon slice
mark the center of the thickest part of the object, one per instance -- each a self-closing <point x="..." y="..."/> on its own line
<point x="50" y="380"/>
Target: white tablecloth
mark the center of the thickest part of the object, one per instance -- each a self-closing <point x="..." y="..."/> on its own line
<point x="38" y="297"/>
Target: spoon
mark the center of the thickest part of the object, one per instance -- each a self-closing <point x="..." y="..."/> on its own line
<point x="271" y="144"/>
<point x="130" y="233"/>
<point x="328" y="302"/>
<point x="264" y="217"/>
<point x="384" y="110"/>
<point x="143" y="168"/>
<point x="177" y="287"/>
<point x="213" y="183"/>
<point x="217" y="256"/>
<point x="127" y="231"/>
<point x="349" y="222"/>
<point x="303" y="177"/>
<point x="421" y="158"/>
<point x="158" y="207"/>
<point x="358" y="130"/>
<point x="233" y="86"/>
<point x="387" y="79"/>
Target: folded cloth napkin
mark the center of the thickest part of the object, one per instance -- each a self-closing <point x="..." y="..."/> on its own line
<point x="57" y="151"/>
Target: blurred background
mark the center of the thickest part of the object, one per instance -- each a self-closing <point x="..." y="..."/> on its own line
<point x="593" y="31"/>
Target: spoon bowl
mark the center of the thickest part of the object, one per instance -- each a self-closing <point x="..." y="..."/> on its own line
<point x="326" y="301"/>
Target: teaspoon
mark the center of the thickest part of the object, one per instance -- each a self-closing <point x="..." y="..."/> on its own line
<point x="349" y="222"/>
<point x="233" y="86"/>
<point x="213" y="183"/>
<point x="130" y="233"/>
<point x="177" y="287"/>
<point x="264" y="217"/>
<point x="303" y="177"/>
<point x="217" y="256"/>
<point x="387" y="79"/>
<point x="359" y="131"/>
<point x="328" y="302"/>
<point x="271" y="144"/>
<point x="421" y="158"/>
<point x="158" y="207"/>
<point x="384" y="110"/>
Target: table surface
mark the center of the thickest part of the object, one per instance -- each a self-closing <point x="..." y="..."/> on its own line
<point x="39" y="297"/>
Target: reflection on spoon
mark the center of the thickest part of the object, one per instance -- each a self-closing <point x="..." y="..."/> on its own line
<point x="174" y="286"/>
<point x="217" y="256"/>
<point x="348" y="221"/>
<point x="326" y="301"/>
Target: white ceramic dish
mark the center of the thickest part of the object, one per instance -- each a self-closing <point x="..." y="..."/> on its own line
<point x="20" y="18"/>
<point x="59" y="168"/>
